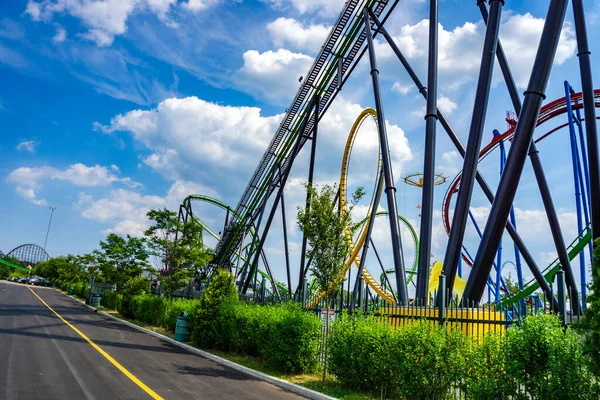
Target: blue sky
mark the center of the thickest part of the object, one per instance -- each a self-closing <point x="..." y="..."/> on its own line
<point x="109" y="108"/>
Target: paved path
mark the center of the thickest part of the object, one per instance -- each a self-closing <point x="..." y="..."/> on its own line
<point x="42" y="357"/>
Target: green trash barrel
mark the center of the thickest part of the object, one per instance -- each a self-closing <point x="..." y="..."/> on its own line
<point x="181" y="327"/>
<point x="96" y="300"/>
<point x="70" y="291"/>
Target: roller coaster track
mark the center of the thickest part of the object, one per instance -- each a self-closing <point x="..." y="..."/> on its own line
<point x="547" y="112"/>
<point x="363" y="225"/>
<point x="224" y="206"/>
<point x="573" y="250"/>
<point x="11" y="265"/>
<point x="344" y="46"/>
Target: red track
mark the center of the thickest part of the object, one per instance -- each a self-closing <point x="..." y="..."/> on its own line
<point x="547" y="112"/>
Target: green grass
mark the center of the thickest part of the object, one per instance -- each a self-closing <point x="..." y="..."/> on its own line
<point x="330" y="387"/>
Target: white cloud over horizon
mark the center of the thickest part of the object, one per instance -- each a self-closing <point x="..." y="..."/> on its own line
<point x="28" y="180"/>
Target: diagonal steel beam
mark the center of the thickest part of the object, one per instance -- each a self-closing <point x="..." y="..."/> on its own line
<point x="534" y="96"/>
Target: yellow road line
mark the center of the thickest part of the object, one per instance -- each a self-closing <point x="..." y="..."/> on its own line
<point x="105" y="354"/>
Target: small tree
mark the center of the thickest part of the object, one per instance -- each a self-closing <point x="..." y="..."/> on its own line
<point x="323" y="226"/>
<point x="177" y="247"/>
<point x="122" y="258"/>
<point x="221" y="289"/>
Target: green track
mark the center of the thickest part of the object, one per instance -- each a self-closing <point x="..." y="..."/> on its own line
<point x="11" y="265"/>
<point x="282" y="287"/>
<point x="574" y="249"/>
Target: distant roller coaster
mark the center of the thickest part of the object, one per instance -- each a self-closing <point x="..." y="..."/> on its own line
<point x="248" y="225"/>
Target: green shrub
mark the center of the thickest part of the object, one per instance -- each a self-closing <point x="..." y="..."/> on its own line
<point x="150" y="308"/>
<point x="109" y="299"/>
<point x="590" y="323"/>
<point x="547" y="361"/>
<point x="427" y="360"/>
<point x="284" y="336"/>
<point x="221" y="288"/>
<point x="359" y="353"/>
<point x="238" y="328"/>
<point x="133" y="287"/>
<point x="174" y="308"/>
<point x="4" y="271"/>
<point x="288" y="337"/>
<point x="486" y="377"/>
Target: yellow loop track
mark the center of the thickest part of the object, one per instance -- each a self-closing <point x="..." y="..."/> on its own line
<point x="355" y="247"/>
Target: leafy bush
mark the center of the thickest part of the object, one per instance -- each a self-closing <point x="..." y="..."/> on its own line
<point x="591" y="321"/>
<point x="221" y="288"/>
<point x="548" y="362"/>
<point x="427" y="360"/>
<point x="486" y="377"/>
<point x="359" y="353"/>
<point x="174" y="308"/>
<point x="287" y="337"/>
<point x="417" y="361"/>
<point x="4" y="271"/>
<point x="149" y="308"/>
<point x="133" y="287"/>
<point x="284" y="336"/>
<point x="110" y="299"/>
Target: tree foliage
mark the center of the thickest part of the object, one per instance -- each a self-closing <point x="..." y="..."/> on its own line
<point x="6" y="271"/>
<point x="221" y="289"/>
<point x="121" y="259"/>
<point x="177" y="247"/>
<point x="591" y="320"/>
<point x="323" y="226"/>
<point x="68" y="269"/>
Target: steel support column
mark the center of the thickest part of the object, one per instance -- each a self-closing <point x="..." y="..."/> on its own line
<point x="469" y="170"/>
<point x="538" y="170"/>
<point x="589" y="109"/>
<point x="429" y="159"/>
<point x="282" y="183"/>
<point x="311" y="172"/>
<point x="365" y="248"/>
<point x="285" y="241"/>
<point x="527" y="256"/>
<point x="507" y="188"/>
<point x="390" y="190"/>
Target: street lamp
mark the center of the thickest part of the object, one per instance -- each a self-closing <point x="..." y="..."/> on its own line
<point x="52" y="208"/>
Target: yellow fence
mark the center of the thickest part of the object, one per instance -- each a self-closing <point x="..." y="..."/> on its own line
<point x="474" y="322"/>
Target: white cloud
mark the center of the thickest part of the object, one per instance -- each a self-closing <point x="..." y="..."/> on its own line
<point x="327" y="8"/>
<point x="194" y="132"/>
<point x="402" y="88"/>
<point x="288" y="31"/>
<point x="445" y="104"/>
<point x="60" y="36"/>
<point x="29" y="180"/>
<point x="27" y="145"/>
<point x="163" y="163"/>
<point x="126" y="210"/>
<point x="11" y="30"/>
<point x="460" y="48"/>
<point x="29" y="194"/>
<point x="104" y="19"/>
<point x="274" y="74"/>
<point x="451" y="163"/>
<point x="198" y="5"/>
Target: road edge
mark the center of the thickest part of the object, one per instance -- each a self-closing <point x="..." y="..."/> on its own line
<point x="281" y="383"/>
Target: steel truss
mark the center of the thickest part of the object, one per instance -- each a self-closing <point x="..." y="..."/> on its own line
<point x="350" y="38"/>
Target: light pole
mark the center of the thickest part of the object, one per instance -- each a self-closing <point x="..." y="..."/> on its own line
<point x="52" y="208"/>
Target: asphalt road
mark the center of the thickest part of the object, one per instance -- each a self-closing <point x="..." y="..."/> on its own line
<point x="41" y="357"/>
